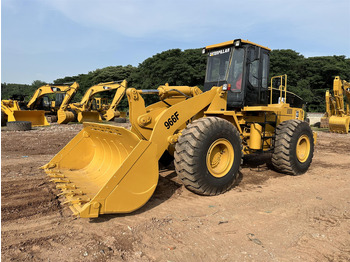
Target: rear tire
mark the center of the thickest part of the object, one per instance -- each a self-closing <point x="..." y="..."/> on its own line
<point x="54" y="119"/>
<point x="208" y="155"/>
<point x="294" y="147"/>
<point x="19" y="126"/>
<point x="120" y="120"/>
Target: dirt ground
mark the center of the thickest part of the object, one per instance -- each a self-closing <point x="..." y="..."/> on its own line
<point x="267" y="216"/>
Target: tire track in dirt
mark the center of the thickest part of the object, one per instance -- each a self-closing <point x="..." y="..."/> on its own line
<point x="24" y="198"/>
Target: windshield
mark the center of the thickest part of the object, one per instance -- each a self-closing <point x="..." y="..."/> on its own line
<point x="226" y="65"/>
<point x="218" y="62"/>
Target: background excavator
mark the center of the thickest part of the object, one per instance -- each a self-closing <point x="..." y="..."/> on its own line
<point x="111" y="111"/>
<point x="61" y="95"/>
<point x="337" y="116"/>
<point x="109" y="169"/>
<point x="83" y="109"/>
<point x="39" y="106"/>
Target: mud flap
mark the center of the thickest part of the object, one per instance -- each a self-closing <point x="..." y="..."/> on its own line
<point x="339" y="124"/>
<point x="105" y="169"/>
<point x="37" y="117"/>
<point x="89" y="116"/>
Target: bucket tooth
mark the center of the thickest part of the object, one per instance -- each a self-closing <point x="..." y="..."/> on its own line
<point x="56" y="175"/>
<point x="71" y="193"/>
<point x="49" y="168"/>
<point x="59" y="180"/>
<point x="52" y="171"/>
<point x="77" y="201"/>
<point x="66" y="186"/>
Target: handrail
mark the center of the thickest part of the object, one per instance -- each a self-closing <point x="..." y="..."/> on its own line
<point x="282" y="88"/>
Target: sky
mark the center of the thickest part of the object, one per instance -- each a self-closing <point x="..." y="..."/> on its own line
<point x="50" y="39"/>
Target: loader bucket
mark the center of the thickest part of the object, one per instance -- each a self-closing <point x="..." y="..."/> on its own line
<point x="338" y="124"/>
<point x="64" y="116"/>
<point x="37" y="117"/>
<point x="105" y="169"/>
<point x="89" y="116"/>
<point x="111" y="114"/>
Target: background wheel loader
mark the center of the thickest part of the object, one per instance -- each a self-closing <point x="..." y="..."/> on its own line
<point x="83" y="108"/>
<point x="108" y="169"/>
<point x="11" y="111"/>
<point x="337" y="116"/>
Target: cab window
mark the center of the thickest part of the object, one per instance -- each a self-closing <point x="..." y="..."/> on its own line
<point x="265" y="69"/>
<point x="218" y="62"/>
<point x="254" y="70"/>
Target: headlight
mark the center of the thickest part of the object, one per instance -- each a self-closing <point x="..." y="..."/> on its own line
<point x="237" y="43"/>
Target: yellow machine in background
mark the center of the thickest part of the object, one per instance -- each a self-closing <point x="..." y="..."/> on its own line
<point x="111" y="111"/>
<point x="35" y="101"/>
<point x="337" y="116"/>
<point x="109" y="169"/>
<point x="83" y="108"/>
<point x="12" y="112"/>
<point x="99" y="104"/>
<point x="64" y="115"/>
<point x="54" y="107"/>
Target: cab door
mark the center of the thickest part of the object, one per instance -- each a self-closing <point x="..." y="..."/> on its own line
<point x="257" y="76"/>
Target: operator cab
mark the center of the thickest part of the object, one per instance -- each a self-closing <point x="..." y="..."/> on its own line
<point x="244" y="67"/>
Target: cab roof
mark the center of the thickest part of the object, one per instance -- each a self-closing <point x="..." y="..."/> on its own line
<point x="229" y="43"/>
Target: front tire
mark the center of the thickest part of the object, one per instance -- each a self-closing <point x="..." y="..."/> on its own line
<point x="208" y="155"/>
<point x="294" y="147"/>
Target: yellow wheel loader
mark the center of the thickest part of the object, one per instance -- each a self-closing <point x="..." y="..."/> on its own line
<point x="83" y="108"/>
<point x="337" y="116"/>
<point x="108" y="169"/>
<point x="11" y="111"/>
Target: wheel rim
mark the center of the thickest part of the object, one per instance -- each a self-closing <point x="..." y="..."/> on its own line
<point x="220" y="157"/>
<point x="303" y="148"/>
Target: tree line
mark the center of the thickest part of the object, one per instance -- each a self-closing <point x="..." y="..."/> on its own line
<point x="307" y="77"/>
